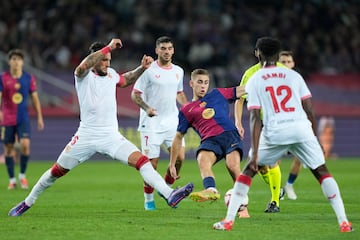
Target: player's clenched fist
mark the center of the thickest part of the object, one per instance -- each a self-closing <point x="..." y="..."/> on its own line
<point x="115" y="43"/>
<point x="146" y="61"/>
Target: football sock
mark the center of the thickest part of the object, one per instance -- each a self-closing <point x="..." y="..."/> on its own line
<point x="22" y="175"/>
<point x="148" y="193"/>
<point x="275" y="183"/>
<point x="241" y="189"/>
<point x="291" y="179"/>
<point x="169" y="179"/>
<point x="10" y="165"/>
<point x="209" y="182"/>
<point x="332" y="193"/>
<point x="12" y="180"/>
<point x="154" y="179"/>
<point x="45" y="181"/>
<point x="23" y="163"/>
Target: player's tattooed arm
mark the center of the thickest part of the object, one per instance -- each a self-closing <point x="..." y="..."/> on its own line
<point x="92" y="59"/>
<point x="88" y="62"/>
<point x="132" y="76"/>
<point x="137" y="99"/>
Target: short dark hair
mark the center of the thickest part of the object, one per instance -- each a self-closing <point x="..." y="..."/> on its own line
<point x="199" y="71"/>
<point x="268" y="46"/>
<point x="286" y="53"/>
<point x="96" y="46"/>
<point x="163" y="39"/>
<point x="16" y="52"/>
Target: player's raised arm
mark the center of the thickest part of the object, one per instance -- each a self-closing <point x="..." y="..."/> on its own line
<point x="92" y="59"/>
<point x="132" y="76"/>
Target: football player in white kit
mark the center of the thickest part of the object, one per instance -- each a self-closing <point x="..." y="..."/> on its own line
<point x="288" y="124"/>
<point x="158" y="90"/>
<point x="95" y="83"/>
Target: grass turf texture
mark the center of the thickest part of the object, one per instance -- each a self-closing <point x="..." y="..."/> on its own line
<point x="104" y="200"/>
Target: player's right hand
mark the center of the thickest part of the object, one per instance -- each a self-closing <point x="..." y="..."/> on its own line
<point x="115" y="43"/>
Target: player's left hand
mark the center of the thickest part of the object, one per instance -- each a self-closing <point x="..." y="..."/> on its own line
<point x="146" y="61"/>
<point x="253" y="162"/>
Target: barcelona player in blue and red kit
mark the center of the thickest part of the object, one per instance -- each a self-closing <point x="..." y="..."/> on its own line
<point x="16" y="86"/>
<point x="208" y="114"/>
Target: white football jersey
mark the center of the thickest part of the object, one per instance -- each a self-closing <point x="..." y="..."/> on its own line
<point x="159" y="87"/>
<point x="279" y="92"/>
<point x="97" y="99"/>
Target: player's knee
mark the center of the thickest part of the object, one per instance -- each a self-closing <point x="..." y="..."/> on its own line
<point x="321" y="173"/>
<point x="58" y="171"/>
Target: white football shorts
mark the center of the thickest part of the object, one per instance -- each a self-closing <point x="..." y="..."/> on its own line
<point x="86" y="142"/>
<point x="151" y="142"/>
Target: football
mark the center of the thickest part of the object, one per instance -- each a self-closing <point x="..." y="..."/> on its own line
<point x="228" y="196"/>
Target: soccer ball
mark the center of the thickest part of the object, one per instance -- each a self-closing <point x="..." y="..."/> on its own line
<point x="228" y="196"/>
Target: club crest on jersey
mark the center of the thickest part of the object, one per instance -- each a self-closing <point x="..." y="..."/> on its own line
<point x="17" y="98"/>
<point x="208" y="113"/>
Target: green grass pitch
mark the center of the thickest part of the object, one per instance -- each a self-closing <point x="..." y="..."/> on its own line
<point x="104" y="200"/>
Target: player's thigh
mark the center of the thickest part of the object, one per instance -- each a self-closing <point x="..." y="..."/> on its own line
<point x="270" y="154"/>
<point x="169" y="138"/>
<point x="8" y="134"/>
<point x="24" y="130"/>
<point x="150" y="144"/>
<point x="78" y="150"/>
<point x="309" y="153"/>
<point x="119" y="148"/>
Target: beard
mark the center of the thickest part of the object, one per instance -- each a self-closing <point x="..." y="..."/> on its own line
<point x="101" y="73"/>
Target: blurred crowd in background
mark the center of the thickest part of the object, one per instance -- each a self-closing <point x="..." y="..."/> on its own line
<point x="216" y="34"/>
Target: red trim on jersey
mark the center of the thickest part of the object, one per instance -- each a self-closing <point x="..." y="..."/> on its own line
<point x="136" y="90"/>
<point x="164" y="67"/>
<point x="254" y="107"/>
<point x="324" y="177"/>
<point x="122" y="80"/>
<point x="244" y="179"/>
<point x="306" y="97"/>
<point x="141" y="162"/>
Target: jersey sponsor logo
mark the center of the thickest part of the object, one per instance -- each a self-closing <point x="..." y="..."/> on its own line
<point x="67" y="148"/>
<point x="203" y="104"/>
<point x="157" y="76"/>
<point x="208" y="113"/>
<point x="17" y="98"/>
